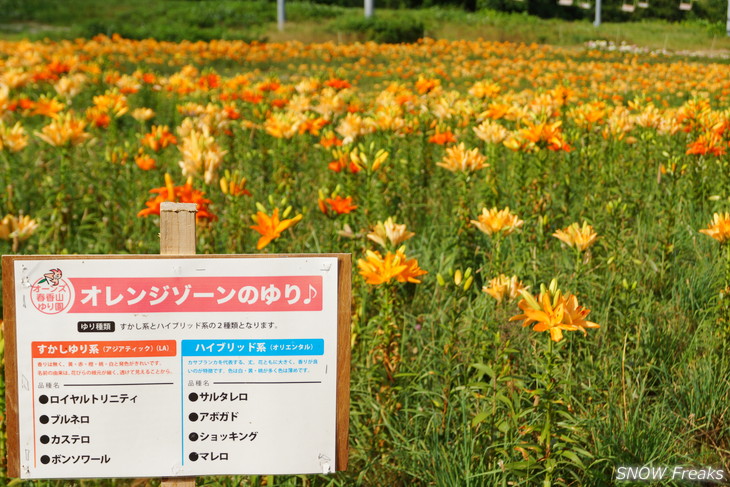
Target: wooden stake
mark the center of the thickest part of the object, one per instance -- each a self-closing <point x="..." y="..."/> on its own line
<point x="177" y="237"/>
<point x="177" y="228"/>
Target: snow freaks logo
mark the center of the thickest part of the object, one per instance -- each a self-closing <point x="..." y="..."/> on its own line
<point x="51" y="294"/>
<point x="649" y="474"/>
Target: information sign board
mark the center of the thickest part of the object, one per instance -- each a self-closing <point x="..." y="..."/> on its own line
<point x="156" y="366"/>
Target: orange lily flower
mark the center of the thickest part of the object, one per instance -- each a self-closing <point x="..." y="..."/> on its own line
<point x="553" y="312"/>
<point x="707" y="143"/>
<point x="442" y="138"/>
<point x="271" y="227"/>
<point x="719" y="228"/>
<point x="158" y="138"/>
<point x="338" y="204"/>
<point x="502" y="287"/>
<point x="377" y="269"/>
<point x="180" y="194"/>
<point x="497" y="221"/>
<point x="145" y="162"/>
<point x="338" y="84"/>
<point x="580" y="237"/>
<point x="459" y="159"/>
<point x="49" y="107"/>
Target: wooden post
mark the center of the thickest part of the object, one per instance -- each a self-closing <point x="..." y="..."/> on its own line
<point x="177" y="228"/>
<point x="177" y="237"/>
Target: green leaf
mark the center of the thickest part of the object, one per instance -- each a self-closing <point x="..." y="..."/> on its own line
<point x="479" y="418"/>
<point x="503" y="399"/>
<point x="572" y="457"/>
<point x="484" y="369"/>
<point x="583" y="452"/>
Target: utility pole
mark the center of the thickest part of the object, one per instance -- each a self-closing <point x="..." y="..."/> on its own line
<point x="281" y="14"/>
<point x="369" y="7"/>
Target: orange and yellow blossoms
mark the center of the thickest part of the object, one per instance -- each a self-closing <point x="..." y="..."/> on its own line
<point x="579" y="237"/>
<point x="12" y="138"/>
<point x="377" y="269"/>
<point x="442" y="138"/>
<point x="17" y="228"/>
<point x="142" y="114"/>
<point x="64" y="130"/>
<point x="491" y="132"/>
<point x="495" y="221"/>
<point x="48" y="107"/>
<point x="178" y="194"/>
<point x="201" y="152"/>
<point x="389" y="231"/>
<point x="271" y="227"/>
<point x="457" y="158"/>
<point x="353" y="126"/>
<point x="536" y="136"/>
<point x="553" y="312"/>
<point x="158" y="138"/>
<point x="502" y="287"/>
<point x="337" y="204"/>
<point x="707" y="143"/>
<point x="719" y="228"/>
<point x="145" y="162"/>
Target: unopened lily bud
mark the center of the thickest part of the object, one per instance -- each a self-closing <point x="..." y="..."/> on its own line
<point x="457" y="277"/>
<point x="468" y="283"/>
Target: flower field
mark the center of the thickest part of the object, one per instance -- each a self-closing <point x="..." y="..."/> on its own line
<point x="539" y="235"/>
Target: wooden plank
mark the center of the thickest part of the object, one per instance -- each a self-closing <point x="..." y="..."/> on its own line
<point x="344" y="348"/>
<point x="177" y="228"/>
<point x="11" y="369"/>
<point x="177" y="237"/>
<point x="158" y="257"/>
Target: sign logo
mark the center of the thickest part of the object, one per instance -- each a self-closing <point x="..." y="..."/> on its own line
<point x="51" y="294"/>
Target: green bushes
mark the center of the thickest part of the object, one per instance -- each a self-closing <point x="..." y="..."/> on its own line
<point x="193" y="21"/>
<point x="392" y="30"/>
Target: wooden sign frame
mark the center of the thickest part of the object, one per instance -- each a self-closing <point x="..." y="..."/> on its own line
<point x="344" y="285"/>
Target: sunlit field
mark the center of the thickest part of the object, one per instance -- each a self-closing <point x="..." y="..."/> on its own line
<point x="540" y="236"/>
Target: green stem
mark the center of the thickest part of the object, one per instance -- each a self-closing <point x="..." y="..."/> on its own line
<point x="549" y="414"/>
<point x="726" y="249"/>
<point x="497" y="256"/>
<point x="578" y="269"/>
<point x="389" y="329"/>
<point x="724" y="294"/>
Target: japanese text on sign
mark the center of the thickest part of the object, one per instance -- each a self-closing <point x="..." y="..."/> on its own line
<point x="190" y="294"/>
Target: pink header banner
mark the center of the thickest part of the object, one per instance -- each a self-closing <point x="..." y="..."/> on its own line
<point x="196" y="294"/>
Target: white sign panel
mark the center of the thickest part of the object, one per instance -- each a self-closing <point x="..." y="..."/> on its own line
<point x="169" y="367"/>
